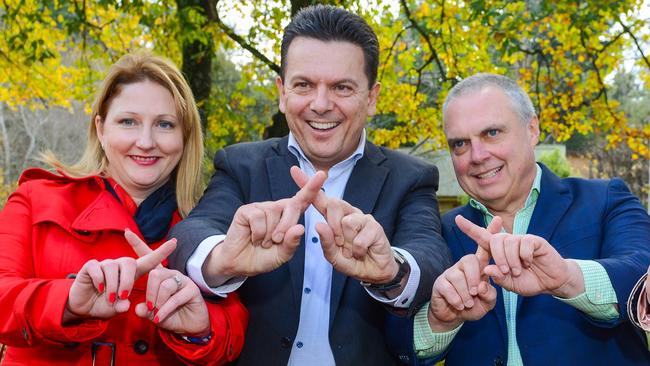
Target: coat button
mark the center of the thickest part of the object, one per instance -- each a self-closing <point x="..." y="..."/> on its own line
<point x="404" y="358"/>
<point x="140" y="347"/>
<point x="71" y="276"/>
<point x="285" y="342"/>
<point x="498" y="361"/>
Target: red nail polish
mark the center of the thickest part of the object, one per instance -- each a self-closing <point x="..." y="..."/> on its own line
<point x="124" y="295"/>
<point x="111" y="297"/>
<point x="100" y="288"/>
<point x="156" y="320"/>
<point x="149" y="305"/>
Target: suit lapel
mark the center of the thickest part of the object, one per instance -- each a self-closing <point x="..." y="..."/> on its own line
<point x="361" y="191"/>
<point x="282" y="186"/>
<point x="554" y="200"/>
<point x="469" y="247"/>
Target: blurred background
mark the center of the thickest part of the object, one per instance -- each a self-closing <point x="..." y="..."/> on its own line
<point x="586" y="65"/>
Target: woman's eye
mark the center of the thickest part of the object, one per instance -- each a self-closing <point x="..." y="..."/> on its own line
<point x="166" y="124"/>
<point x="127" y="122"/>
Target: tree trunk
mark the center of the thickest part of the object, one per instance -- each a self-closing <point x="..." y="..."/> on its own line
<point x="197" y="58"/>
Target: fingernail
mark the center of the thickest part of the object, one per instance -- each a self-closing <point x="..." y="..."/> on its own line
<point x="124" y="295"/>
<point x="277" y="237"/>
<point x="469" y="303"/>
<point x="504" y="268"/>
<point x="473" y="291"/>
<point x="516" y="271"/>
<point x="100" y="288"/>
<point x="156" y="320"/>
<point x="112" y="297"/>
<point x="149" y="305"/>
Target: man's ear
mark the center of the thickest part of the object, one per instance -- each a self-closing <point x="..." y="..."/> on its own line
<point x="373" y="93"/>
<point x="533" y="130"/>
<point x="281" y="94"/>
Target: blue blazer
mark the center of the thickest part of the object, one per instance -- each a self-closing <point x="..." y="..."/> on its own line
<point x="398" y="190"/>
<point x="583" y="219"/>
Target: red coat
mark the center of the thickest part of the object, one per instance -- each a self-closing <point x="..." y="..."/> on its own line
<point x="49" y="228"/>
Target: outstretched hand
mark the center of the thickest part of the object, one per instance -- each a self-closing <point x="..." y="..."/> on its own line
<point x="172" y="301"/>
<point x="102" y="289"/>
<point x="525" y="264"/>
<point x="354" y="242"/>
<point x="463" y="292"/>
<point x="263" y="236"/>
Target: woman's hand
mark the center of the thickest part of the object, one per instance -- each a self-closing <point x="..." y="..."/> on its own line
<point x="173" y="301"/>
<point x="101" y="289"/>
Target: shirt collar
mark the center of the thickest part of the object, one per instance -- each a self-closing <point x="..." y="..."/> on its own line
<point x="357" y="154"/>
<point x="531" y="200"/>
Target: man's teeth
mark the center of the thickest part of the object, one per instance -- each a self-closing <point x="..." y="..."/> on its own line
<point x="489" y="174"/>
<point x="322" y="125"/>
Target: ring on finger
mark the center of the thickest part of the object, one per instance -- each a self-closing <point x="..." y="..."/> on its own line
<point x="179" y="284"/>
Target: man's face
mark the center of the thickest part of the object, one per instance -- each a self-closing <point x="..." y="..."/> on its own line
<point x="492" y="150"/>
<point x="325" y="98"/>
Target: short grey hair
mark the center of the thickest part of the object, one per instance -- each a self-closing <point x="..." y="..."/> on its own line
<point x="521" y="102"/>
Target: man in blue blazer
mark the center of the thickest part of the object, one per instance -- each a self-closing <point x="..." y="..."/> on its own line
<point x="544" y="265"/>
<point x="318" y="270"/>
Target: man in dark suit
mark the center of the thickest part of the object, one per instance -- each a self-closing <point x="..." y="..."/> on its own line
<point x="318" y="268"/>
<point x="544" y="265"/>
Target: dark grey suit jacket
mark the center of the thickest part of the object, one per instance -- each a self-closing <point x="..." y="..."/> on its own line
<point x="398" y="190"/>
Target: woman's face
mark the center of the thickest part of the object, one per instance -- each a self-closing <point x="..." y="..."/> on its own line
<point x="142" y="138"/>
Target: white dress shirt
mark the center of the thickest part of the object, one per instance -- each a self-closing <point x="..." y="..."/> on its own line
<point x="311" y="344"/>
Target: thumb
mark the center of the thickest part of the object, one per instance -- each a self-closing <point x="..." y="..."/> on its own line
<point x="291" y="241"/>
<point x="496" y="225"/>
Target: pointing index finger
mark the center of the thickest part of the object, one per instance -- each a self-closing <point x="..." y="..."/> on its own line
<point x="479" y="234"/>
<point x="310" y="189"/>
<point x="139" y="247"/>
<point x="153" y="259"/>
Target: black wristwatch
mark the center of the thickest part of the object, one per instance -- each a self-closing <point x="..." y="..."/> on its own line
<point x="395" y="282"/>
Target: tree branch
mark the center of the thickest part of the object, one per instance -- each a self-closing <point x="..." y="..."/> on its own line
<point x="247" y="46"/>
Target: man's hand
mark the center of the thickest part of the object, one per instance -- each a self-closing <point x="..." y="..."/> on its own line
<point x="262" y="236"/>
<point x="526" y="264"/>
<point x="463" y="292"/>
<point x="353" y="242"/>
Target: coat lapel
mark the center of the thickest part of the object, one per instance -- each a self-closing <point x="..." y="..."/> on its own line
<point x="361" y="191"/>
<point x="282" y="186"/>
<point x="554" y="200"/>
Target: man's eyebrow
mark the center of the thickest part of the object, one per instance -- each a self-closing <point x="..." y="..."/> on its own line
<point x="454" y="140"/>
<point x="493" y="126"/>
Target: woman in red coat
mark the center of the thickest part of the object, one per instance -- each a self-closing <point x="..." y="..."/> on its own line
<point x="73" y="289"/>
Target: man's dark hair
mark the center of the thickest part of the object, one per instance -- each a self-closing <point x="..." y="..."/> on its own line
<point x="328" y="23"/>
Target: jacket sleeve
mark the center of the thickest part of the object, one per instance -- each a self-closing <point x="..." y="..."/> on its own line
<point x="32" y="308"/>
<point x="211" y="216"/>
<point x="418" y="231"/>
<point x="625" y="253"/>
<point x="229" y="319"/>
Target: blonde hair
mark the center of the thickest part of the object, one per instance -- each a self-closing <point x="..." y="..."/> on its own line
<point x="134" y="68"/>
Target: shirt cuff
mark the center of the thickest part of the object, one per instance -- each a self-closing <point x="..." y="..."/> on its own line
<point x="404" y="299"/>
<point x="195" y="269"/>
<point x="425" y="341"/>
<point x="599" y="299"/>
